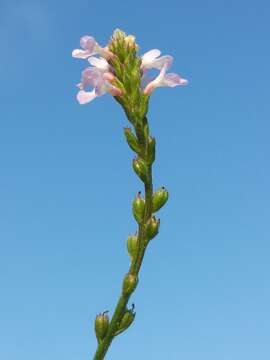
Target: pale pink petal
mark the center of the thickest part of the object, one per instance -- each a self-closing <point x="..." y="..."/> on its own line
<point x="91" y="77"/>
<point x="89" y="46"/>
<point x="99" y="63"/>
<point x="85" y="97"/>
<point x="108" y="76"/>
<point x="163" y="80"/>
<point x="172" y="80"/>
<point x="88" y="43"/>
<point x="101" y="88"/>
<point x="149" y="88"/>
<point x="160" y="62"/>
<point x="149" y="56"/>
<point x="80" y="54"/>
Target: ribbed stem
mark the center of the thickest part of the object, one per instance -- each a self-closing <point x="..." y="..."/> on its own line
<point x="134" y="269"/>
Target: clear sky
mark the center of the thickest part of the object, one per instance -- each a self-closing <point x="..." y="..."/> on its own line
<point x="66" y="184"/>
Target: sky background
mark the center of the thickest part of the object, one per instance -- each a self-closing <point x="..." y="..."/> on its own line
<point x="66" y="184"/>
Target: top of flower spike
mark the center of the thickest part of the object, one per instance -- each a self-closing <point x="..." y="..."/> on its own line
<point x="123" y="73"/>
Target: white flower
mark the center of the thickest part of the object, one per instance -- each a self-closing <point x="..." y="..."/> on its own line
<point x="151" y="60"/>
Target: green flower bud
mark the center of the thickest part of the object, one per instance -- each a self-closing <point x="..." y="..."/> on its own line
<point x="127" y="320"/>
<point x="129" y="284"/>
<point x="132" y="245"/>
<point x="151" y="151"/>
<point x="160" y="198"/>
<point x="138" y="206"/>
<point x="140" y="168"/>
<point x="152" y="227"/>
<point x="118" y="34"/>
<point x="101" y="326"/>
<point x="132" y="140"/>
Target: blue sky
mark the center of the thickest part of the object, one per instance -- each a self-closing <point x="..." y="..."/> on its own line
<point x="66" y="184"/>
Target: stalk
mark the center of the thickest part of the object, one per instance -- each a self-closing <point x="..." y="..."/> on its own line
<point x="135" y="266"/>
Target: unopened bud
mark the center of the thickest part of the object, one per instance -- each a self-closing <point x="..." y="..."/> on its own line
<point x="126" y="321"/>
<point x="129" y="284"/>
<point x="151" y="151"/>
<point x="140" y="168"/>
<point x="118" y="34"/>
<point x="101" y="326"/>
<point x="160" y="198"/>
<point x="132" y="140"/>
<point x="132" y="245"/>
<point x="152" y="227"/>
<point x="138" y="206"/>
<point x="130" y="40"/>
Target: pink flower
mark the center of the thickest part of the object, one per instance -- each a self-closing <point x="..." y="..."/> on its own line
<point x="163" y="79"/>
<point x="151" y="60"/>
<point x="90" y="47"/>
<point x="99" y="78"/>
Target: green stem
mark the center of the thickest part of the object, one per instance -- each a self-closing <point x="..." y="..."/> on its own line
<point x="135" y="266"/>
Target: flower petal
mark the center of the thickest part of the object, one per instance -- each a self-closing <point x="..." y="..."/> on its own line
<point x="99" y="63"/>
<point x="149" y="56"/>
<point x="81" y="54"/>
<point x="85" y="97"/>
<point x="91" y="77"/>
<point x="160" y="62"/>
<point x="88" y="43"/>
<point x="172" y="80"/>
<point x="89" y="46"/>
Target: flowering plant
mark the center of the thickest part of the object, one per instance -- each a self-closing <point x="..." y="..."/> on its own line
<point x="119" y="70"/>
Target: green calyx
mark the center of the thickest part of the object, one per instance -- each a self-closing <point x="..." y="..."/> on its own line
<point x="138" y="207"/>
<point x="151" y="150"/>
<point x="160" y="198"/>
<point x="101" y="326"/>
<point x="132" y="246"/>
<point x="152" y="228"/>
<point x="140" y="168"/>
<point x="132" y="140"/>
<point x="126" y="320"/>
<point x="129" y="284"/>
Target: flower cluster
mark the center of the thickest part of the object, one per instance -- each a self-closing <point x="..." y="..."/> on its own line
<point x="118" y="70"/>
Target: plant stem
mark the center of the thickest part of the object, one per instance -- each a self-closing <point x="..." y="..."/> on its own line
<point x="135" y="266"/>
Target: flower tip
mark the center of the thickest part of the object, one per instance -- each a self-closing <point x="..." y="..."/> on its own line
<point x="75" y="53"/>
<point x="85" y="97"/>
<point x="184" y="82"/>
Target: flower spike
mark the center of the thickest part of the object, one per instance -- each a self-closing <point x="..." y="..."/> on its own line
<point x="119" y="70"/>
